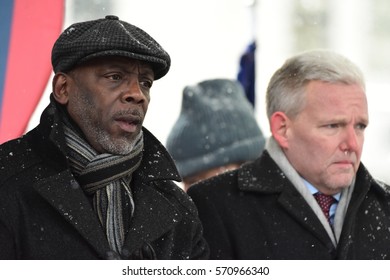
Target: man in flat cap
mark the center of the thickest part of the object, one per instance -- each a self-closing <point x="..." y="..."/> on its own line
<point x="90" y="182"/>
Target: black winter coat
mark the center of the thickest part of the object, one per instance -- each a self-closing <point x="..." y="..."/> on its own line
<point x="44" y="214"/>
<point x="256" y="213"/>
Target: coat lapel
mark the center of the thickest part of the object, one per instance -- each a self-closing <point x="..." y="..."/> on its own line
<point x="154" y="215"/>
<point x="299" y="210"/>
<point x="265" y="176"/>
<point x="65" y="195"/>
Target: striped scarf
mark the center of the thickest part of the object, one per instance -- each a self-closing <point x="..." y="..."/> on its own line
<point x="106" y="178"/>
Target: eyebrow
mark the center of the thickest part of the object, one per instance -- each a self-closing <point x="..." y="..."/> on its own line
<point x="344" y="120"/>
<point x="148" y="70"/>
<point x="143" y="68"/>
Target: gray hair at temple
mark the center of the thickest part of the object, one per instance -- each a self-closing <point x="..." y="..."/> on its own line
<point x="286" y="88"/>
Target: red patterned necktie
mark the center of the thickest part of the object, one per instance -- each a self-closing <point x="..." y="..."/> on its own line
<point x="325" y="201"/>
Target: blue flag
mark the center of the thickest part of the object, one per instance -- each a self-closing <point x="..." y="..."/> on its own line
<point x="247" y="74"/>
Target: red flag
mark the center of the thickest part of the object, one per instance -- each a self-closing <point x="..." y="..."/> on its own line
<point x="34" y="27"/>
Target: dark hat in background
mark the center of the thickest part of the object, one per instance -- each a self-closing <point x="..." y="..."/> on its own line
<point x="216" y="127"/>
<point x="107" y="37"/>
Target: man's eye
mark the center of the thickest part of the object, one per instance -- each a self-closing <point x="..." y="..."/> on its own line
<point x="361" y="126"/>
<point x="332" y="125"/>
<point x="115" y="77"/>
<point x="146" y="83"/>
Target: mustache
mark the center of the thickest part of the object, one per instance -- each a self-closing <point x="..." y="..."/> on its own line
<point x="133" y="116"/>
<point x="352" y="158"/>
<point x="131" y="113"/>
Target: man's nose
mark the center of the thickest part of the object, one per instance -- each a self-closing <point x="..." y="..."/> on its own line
<point x="351" y="141"/>
<point x="133" y="93"/>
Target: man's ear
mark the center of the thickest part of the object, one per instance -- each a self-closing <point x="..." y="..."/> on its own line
<point x="279" y="125"/>
<point x="60" y="88"/>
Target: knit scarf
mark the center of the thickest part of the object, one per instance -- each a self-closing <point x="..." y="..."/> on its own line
<point x="105" y="177"/>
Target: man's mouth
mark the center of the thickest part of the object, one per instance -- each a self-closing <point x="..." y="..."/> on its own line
<point x="345" y="164"/>
<point x="128" y="123"/>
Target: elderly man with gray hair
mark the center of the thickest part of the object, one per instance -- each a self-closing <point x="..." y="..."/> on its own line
<point x="308" y="196"/>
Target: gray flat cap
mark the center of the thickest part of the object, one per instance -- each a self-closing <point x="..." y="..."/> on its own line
<point x="107" y="37"/>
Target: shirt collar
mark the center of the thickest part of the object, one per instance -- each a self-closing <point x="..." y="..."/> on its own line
<point x="313" y="190"/>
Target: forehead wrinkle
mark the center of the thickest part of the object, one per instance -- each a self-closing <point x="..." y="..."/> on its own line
<point x="137" y="68"/>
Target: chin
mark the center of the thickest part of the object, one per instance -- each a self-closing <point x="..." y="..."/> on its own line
<point x="343" y="183"/>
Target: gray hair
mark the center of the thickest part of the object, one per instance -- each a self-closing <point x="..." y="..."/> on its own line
<point x="286" y="88"/>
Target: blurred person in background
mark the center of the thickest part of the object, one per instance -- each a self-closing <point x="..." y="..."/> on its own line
<point x="216" y="130"/>
<point x="308" y="196"/>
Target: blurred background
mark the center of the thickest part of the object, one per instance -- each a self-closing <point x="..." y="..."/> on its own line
<point x="206" y="39"/>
